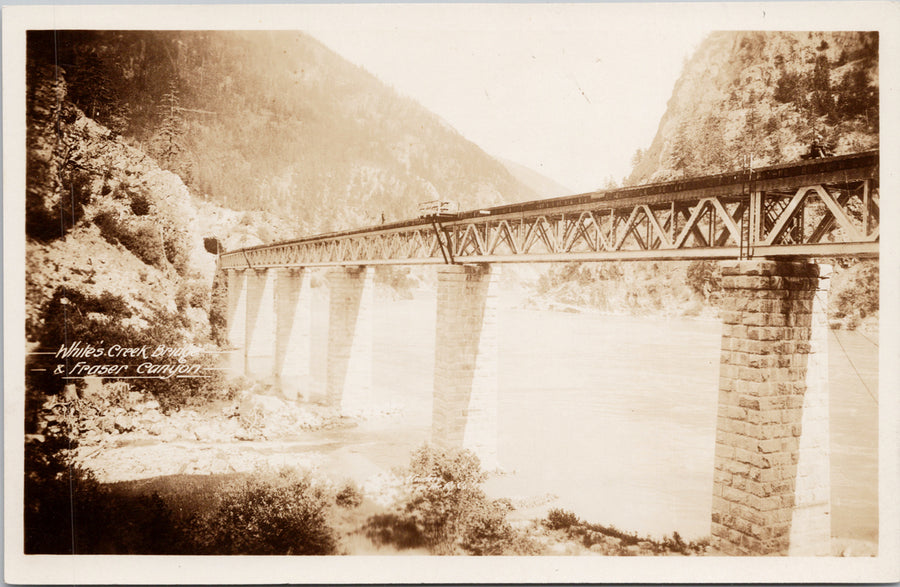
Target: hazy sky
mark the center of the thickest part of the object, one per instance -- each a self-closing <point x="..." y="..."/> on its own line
<point x="571" y="94"/>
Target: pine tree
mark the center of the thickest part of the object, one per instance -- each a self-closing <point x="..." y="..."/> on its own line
<point x="822" y="100"/>
<point x="167" y="144"/>
<point x="683" y="156"/>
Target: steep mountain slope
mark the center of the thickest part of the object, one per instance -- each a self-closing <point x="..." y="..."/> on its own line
<point x="766" y="95"/>
<point x="274" y="121"/>
<point x="105" y="222"/>
<point x="542" y="185"/>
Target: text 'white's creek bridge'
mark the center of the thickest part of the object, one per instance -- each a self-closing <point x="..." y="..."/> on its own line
<point x="768" y="227"/>
<point x="817" y="208"/>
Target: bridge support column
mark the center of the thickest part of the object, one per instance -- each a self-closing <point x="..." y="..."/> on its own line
<point x="464" y="412"/>
<point x="236" y="320"/>
<point x="350" y="338"/>
<point x="771" y="488"/>
<point x="261" y="323"/>
<point x="293" y="314"/>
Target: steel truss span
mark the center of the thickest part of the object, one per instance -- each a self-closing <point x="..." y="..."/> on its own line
<point x="820" y="208"/>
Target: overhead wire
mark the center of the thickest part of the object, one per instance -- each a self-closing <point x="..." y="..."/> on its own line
<point x="859" y="332"/>
<point x="849" y="360"/>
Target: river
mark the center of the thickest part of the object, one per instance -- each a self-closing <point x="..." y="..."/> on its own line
<point x="614" y="415"/>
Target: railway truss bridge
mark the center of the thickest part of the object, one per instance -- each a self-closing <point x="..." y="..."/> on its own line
<point x="820" y="208"/>
<point x="768" y="227"/>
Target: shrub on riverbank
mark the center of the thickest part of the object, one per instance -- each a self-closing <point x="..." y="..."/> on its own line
<point x="609" y="540"/>
<point x="277" y="514"/>
<point x="444" y="508"/>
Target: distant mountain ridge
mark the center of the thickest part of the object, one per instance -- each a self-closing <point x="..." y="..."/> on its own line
<point x="274" y="121"/>
<point x="542" y="185"/>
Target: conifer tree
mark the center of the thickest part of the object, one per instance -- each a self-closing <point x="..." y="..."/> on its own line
<point x="167" y="144"/>
<point x="683" y="158"/>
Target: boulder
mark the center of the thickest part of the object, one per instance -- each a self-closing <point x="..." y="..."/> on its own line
<point x="150" y="404"/>
<point x="124" y="423"/>
<point x="92" y="436"/>
<point x="107" y="424"/>
<point x="266" y="404"/>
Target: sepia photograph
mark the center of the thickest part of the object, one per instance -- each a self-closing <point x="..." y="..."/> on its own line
<point x="496" y="292"/>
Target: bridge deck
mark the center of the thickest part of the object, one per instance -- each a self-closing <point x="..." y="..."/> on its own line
<point x="817" y="208"/>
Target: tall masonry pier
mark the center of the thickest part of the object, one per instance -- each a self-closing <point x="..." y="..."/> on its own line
<point x="771" y="458"/>
<point x="464" y="410"/>
<point x="771" y="488"/>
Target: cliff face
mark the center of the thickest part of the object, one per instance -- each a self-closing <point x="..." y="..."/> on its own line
<point x="766" y="95"/>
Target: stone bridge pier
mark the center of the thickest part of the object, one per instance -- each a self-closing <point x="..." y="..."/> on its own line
<point x="771" y="487"/>
<point x="351" y="310"/>
<point x="464" y="409"/>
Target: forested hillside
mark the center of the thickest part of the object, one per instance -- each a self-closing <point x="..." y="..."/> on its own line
<point x="273" y="121"/>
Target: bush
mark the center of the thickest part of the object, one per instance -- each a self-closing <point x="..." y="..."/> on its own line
<point x="141" y="203"/>
<point x="704" y="278"/>
<point x="281" y="514"/>
<point x="218" y="302"/>
<point x="487" y="532"/>
<point x="141" y="237"/>
<point x="177" y="250"/>
<point x="349" y="496"/>
<point x="192" y="293"/>
<point x="444" y="508"/>
<point x="443" y="487"/>
<point x="558" y="519"/>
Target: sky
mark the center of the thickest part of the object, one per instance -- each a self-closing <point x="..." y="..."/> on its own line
<point x="571" y="96"/>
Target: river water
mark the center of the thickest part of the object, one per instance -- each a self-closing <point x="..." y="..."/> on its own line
<point x="614" y="415"/>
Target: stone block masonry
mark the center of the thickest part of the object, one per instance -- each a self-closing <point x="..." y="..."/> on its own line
<point x="293" y="330"/>
<point x="235" y="319"/>
<point x="771" y="486"/>
<point x="350" y="338"/>
<point x="464" y="410"/>
<point x="260" y="323"/>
